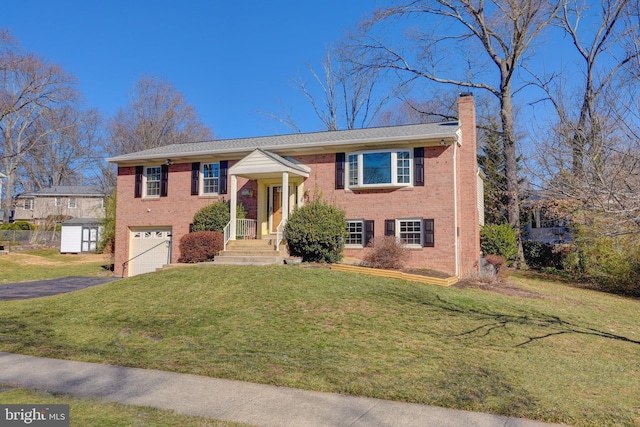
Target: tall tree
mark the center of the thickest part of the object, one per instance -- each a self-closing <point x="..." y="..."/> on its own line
<point x="490" y="38"/>
<point x="30" y="88"/>
<point x="157" y="115"/>
<point x="591" y="156"/>
<point x="491" y="161"/>
<point x="343" y="95"/>
<point x="66" y="153"/>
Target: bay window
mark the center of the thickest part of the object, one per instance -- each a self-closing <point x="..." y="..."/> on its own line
<point x="379" y="169"/>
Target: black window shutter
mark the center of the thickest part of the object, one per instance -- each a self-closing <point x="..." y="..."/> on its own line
<point x="389" y="227"/>
<point x="340" y="157"/>
<point x="138" y="189"/>
<point x="368" y="231"/>
<point x="195" y="178"/>
<point x="418" y="166"/>
<point x="428" y="232"/>
<point x="164" y="180"/>
<point x="224" y="170"/>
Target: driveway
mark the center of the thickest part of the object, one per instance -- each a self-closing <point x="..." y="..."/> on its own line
<point x="43" y="288"/>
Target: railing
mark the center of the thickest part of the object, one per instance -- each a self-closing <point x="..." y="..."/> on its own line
<point x="124" y="264"/>
<point x="280" y="234"/>
<point x="245" y="229"/>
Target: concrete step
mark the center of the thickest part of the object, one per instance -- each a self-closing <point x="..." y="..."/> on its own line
<point x="251" y="252"/>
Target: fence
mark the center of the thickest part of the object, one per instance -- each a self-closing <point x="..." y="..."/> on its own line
<point x="29" y="237"/>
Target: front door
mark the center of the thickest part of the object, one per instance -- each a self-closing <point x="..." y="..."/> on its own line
<point x="276" y="207"/>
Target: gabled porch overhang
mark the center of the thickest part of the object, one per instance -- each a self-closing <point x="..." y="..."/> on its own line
<point x="263" y="165"/>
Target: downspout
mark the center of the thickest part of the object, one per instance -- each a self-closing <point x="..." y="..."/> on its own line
<point x="455" y="208"/>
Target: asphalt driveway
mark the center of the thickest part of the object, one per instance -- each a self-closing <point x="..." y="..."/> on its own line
<point x="43" y="288"/>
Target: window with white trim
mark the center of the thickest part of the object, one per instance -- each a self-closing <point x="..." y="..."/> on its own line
<point x="57" y="201"/>
<point x="73" y="203"/>
<point x="152" y="178"/>
<point x="410" y="231"/>
<point x="28" y="204"/>
<point x="355" y="233"/>
<point x="385" y="168"/>
<point x="210" y="178"/>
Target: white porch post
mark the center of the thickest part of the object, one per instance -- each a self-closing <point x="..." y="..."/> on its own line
<point x="285" y="196"/>
<point x="232" y="207"/>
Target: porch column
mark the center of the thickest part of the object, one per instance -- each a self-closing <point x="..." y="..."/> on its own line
<point x="232" y="207"/>
<point x="285" y="196"/>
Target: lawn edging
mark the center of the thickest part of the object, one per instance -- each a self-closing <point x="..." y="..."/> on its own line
<point x="394" y="274"/>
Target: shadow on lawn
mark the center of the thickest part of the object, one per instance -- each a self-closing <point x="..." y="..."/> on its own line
<point x="496" y="321"/>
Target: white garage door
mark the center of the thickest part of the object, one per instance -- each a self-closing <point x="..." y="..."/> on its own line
<point x="150" y="250"/>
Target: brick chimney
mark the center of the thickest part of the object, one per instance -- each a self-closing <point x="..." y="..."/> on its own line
<point x="467" y="187"/>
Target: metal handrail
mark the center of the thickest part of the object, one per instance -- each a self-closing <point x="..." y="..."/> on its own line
<point x="124" y="264"/>
<point x="245" y="228"/>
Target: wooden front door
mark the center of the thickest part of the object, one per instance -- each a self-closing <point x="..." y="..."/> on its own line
<point x="276" y="207"/>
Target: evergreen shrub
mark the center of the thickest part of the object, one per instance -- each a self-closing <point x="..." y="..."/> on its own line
<point x="316" y="232"/>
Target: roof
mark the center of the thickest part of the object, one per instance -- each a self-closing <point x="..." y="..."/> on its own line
<point x="83" y="221"/>
<point x="297" y="141"/>
<point x="67" y="190"/>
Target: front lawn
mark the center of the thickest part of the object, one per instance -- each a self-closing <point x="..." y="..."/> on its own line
<point x="552" y="353"/>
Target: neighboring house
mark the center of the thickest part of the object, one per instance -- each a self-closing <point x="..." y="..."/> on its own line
<point x="543" y="225"/>
<point x="60" y="203"/>
<point x="416" y="182"/>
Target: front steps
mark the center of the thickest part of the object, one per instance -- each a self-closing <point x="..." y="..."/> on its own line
<point x="251" y="252"/>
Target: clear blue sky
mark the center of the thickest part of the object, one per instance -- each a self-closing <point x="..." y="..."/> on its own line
<point x="230" y="59"/>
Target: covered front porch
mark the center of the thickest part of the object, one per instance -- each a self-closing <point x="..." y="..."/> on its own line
<point x="280" y="188"/>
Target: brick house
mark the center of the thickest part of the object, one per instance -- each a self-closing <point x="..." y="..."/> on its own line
<point x="417" y="182"/>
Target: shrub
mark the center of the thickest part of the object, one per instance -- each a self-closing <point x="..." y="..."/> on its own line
<point x="499" y="263"/>
<point x="200" y="246"/>
<point x="316" y="232"/>
<point x="499" y="239"/>
<point x="539" y="255"/>
<point x="18" y="226"/>
<point x="386" y="252"/>
<point x="215" y="217"/>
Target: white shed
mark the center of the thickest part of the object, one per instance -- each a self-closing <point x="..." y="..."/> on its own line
<point x="80" y="235"/>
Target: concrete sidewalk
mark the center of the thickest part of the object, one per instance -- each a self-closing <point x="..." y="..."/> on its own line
<point x="260" y="405"/>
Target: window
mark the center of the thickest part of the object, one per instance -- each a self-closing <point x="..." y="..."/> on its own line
<point x="153" y="181"/>
<point x="28" y="204"/>
<point x="355" y="231"/>
<point x="410" y="231"/>
<point x="379" y="169"/>
<point x="73" y="202"/>
<point x="210" y="178"/>
<point x="58" y="201"/>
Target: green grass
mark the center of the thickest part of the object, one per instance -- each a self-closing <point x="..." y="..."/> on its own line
<point x="47" y="264"/>
<point x="571" y="356"/>
<point x="87" y="412"/>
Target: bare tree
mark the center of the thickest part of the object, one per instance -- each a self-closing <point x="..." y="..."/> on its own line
<point x="481" y="46"/>
<point x="344" y="95"/>
<point x="29" y="89"/>
<point x="66" y="153"/>
<point x="592" y="151"/>
<point x="157" y="115"/>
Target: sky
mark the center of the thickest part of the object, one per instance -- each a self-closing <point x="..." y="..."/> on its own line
<point x="233" y="61"/>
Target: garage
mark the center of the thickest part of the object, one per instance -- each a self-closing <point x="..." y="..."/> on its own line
<point x="150" y="249"/>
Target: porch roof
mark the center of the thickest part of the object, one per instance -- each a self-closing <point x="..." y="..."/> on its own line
<point x="260" y="163"/>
